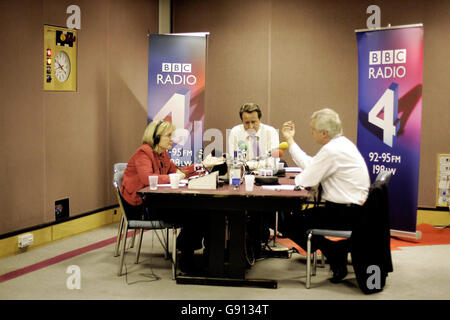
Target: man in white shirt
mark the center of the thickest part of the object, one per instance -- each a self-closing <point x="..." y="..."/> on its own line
<point x="258" y="139"/>
<point x="252" y="135"/>
<point x="342" y="173"/>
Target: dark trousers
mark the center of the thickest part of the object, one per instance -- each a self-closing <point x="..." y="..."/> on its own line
<point x="258" y="224"/>
<point x="331" y="216"/>
<point x="192" y="234"/>
<point x="193" y="225"/>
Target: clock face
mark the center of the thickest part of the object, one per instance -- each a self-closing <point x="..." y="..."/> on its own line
<point x="62" y="66"/>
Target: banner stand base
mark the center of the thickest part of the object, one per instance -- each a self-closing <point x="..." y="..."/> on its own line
<point x="406" y="235"/>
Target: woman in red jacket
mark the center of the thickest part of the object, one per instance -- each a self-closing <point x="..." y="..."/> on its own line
<point x="152" y="158"/>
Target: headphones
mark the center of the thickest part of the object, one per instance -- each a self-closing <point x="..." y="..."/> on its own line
<point x="156" y="137"/>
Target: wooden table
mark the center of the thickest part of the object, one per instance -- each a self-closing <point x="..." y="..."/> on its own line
<point x="227" y="210"/>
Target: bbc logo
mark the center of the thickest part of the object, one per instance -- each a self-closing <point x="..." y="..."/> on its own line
<point x="176" y="67"/>
<point x="387" y="56"/>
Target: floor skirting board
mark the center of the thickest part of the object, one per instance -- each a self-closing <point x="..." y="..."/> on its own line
<point x="42" y="236"/>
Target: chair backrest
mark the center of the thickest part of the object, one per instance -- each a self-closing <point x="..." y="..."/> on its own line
<point x="371" y="238"/>
<point x="119" y="169"/>
<point x="384" y="176"/>
<point x="381" y="182"/>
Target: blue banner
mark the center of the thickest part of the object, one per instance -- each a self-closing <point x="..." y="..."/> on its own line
<point x="390" y="113"/>
<point x="176" y="90"/>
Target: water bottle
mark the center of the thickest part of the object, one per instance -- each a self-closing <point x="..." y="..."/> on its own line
<point x="235" y="172"/>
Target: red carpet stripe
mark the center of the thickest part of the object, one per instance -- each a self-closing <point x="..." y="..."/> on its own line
<point x="57" y="259"/>
<point x="430" y="236"/>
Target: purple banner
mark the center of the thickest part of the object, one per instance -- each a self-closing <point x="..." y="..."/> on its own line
<point x="390" y="63"/>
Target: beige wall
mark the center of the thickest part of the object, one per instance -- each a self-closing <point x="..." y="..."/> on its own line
<point x="290" y="56"/>
<point x="295" y="56"/>
<point x="56" y="145"/>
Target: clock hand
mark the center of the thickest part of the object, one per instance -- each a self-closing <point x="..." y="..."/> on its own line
<point x="61" y="67"/>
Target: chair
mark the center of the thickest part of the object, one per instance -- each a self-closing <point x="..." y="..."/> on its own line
<point x="126" y="224"/>
<point x="383" y="177"/>
<point x="119" y="169"/>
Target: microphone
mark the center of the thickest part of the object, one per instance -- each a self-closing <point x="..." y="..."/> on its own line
<point x="242" y="146"/>
<point x="198" y="165"/>
<point x="283" y="146"/>
<point x="198" y="156"/>
<point x="276" y="153"/>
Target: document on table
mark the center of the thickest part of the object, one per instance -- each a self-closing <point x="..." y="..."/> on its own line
<point x="280" y="187"/>
<point x="293" y="169"/>
<point x="182" y="183"/>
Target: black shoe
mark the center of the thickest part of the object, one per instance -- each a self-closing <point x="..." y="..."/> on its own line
<point x="339" y="274"/>
<point x="205" y="258"/>
<point x="190" y="265"/>
<point x="186" y="262"/>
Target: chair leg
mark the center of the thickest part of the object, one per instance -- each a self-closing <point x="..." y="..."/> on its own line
<point x="122" y="251"/>
<point x="162" y="241"/>
<point x="174" y="253"/>
<point x="322" y="260"/>
<point x="167" y="253"/>
<point x="138" y="249"/>
<point x="119" y="236"/>
<point x="133" y="238"/>
<point x="314" y="263"/>
<point x="308" y="261"/>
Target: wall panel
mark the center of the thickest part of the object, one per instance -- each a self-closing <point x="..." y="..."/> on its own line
<point x="63" y="144"/>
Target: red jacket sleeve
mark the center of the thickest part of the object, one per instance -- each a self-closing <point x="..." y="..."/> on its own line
<point x="188" y="170"/>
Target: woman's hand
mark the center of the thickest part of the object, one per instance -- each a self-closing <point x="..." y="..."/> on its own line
<point x="182" y="174"/>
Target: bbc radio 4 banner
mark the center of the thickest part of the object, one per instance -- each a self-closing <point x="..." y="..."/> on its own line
<point x="390" y="64"/>
<point x="176" y="90"/>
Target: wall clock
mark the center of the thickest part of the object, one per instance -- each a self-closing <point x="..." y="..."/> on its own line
<point x="60" y="59"/>
<point x="62" y="66"/>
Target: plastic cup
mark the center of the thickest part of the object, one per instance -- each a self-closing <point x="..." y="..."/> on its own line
<point x="249" y="182"/>
<point x="174" y="180"/>
<point x="153" y="182"/>
<point x="265" y="172"/>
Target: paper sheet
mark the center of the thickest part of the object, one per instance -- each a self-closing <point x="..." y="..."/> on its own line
<point x="182" y="183"/>
<point x="293" y="169"/>
<point x="278" y="187"/>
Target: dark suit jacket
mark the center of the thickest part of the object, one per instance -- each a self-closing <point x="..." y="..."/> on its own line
<point x="371" y="241"/>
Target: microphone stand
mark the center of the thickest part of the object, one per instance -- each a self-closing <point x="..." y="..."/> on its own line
<point x="277" y="250"/>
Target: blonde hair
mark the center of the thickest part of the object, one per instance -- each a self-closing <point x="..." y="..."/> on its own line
<point x="161" y="127"/>
<point x="328" y="120"/>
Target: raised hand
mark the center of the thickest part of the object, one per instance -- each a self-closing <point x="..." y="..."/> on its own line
<point x="288" y="131"/>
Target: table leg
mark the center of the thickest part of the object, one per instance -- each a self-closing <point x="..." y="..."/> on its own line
<point x="237" y="265"/>
<point x="216" y="244"/>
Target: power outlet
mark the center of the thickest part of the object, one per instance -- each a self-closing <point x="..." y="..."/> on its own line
<point x="26" y="240"/>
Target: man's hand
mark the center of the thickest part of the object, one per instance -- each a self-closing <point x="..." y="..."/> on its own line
<point x="288" y="131"/>
<point x="211" y="161"/>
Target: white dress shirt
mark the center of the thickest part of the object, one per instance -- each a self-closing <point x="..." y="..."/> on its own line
<point x="338" y="166"/>
<point x="267" y="140"/>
